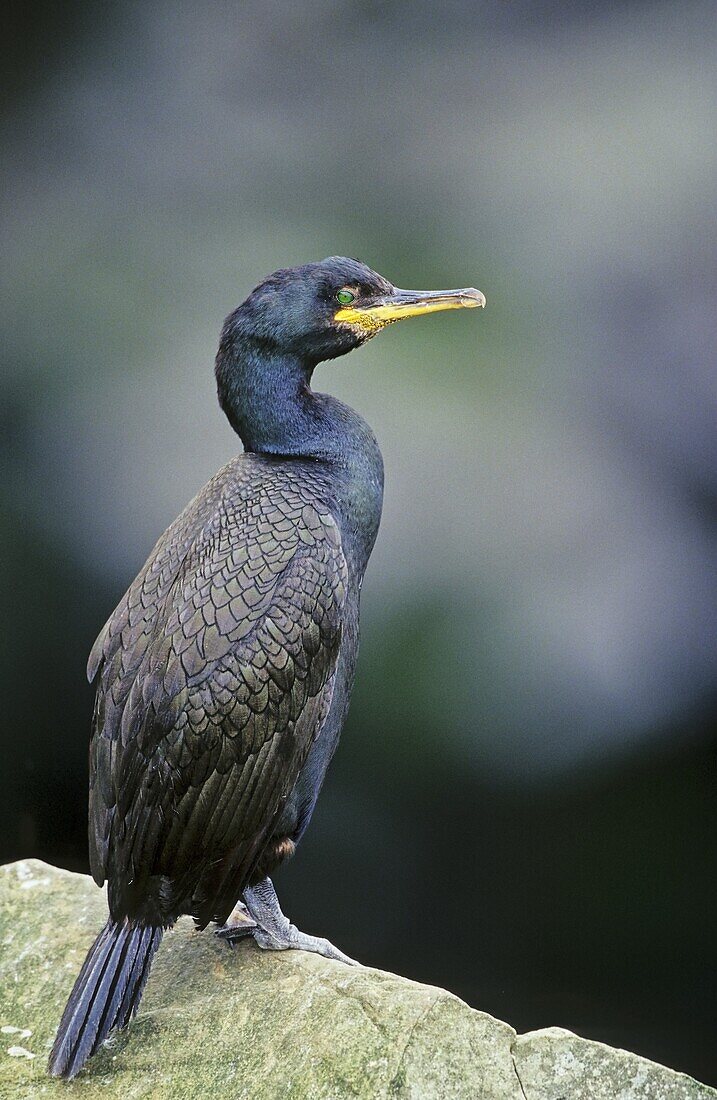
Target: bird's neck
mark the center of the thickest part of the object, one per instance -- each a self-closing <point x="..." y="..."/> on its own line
<point x="267" y="399"/>
<point x="269" y="402"/>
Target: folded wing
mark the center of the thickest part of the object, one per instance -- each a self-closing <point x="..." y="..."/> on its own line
<point x="215" y="675"/>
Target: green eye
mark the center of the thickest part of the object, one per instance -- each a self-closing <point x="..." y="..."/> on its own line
<point x="345" y="297"/>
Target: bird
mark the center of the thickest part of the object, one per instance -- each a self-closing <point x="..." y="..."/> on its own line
<point x="225" y="672"/>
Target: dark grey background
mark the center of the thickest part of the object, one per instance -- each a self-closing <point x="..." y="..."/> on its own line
<point x="523" y="807"/>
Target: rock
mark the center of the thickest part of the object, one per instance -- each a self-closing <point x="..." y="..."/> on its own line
<point x="243" y="1024"/>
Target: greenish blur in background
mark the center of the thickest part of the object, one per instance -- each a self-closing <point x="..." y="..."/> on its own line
<point x="522" y="808"/>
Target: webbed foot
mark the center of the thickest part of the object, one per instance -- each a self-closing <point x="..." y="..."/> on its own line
<point x="274" y="932"/>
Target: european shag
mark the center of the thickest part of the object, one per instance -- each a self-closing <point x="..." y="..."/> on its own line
<point x="224" y="674"/>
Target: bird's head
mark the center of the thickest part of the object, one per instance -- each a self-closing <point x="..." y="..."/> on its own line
<point x="323" y="310"/>
<point x="293" y="320"/>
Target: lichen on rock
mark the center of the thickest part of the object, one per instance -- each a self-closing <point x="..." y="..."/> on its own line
<point x="245" y="1025"/>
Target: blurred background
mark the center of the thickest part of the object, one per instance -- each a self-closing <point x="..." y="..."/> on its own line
<point x="522" y="808"/>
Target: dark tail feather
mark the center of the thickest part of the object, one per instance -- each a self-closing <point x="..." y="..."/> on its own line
<point x="106" y="994"/>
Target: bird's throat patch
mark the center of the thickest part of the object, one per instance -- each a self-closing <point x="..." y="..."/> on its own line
<point x="367" y="321"/>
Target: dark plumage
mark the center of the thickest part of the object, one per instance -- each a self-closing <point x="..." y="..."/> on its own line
<point x="225" y="672"/>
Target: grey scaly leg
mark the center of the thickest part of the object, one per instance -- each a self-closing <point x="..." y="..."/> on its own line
<point x="273" y="931"/>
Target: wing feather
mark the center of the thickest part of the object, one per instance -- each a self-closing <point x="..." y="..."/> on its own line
<point x="215" y="674"/>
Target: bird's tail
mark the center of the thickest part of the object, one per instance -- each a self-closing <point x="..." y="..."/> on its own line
<point x="106" y="994"/>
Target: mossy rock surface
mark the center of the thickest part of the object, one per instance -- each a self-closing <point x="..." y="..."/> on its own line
<point x="244" y="1024"/>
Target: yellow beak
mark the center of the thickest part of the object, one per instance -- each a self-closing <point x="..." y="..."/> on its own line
<point x="408" y="303"/>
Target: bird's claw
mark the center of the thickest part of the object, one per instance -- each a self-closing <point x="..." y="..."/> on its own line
<point x="289" y="938"/>
<point x="262" y="918"/>
<point x="239" y="925"/>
